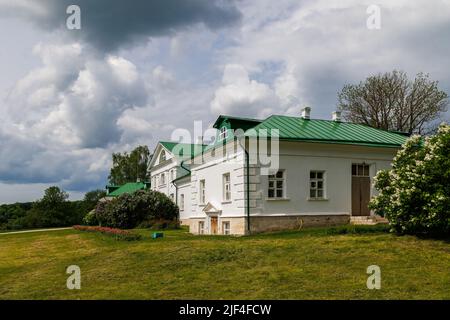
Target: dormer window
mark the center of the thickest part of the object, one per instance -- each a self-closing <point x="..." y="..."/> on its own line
<point x="223" y="133"/>
<point x="162" y="156"/>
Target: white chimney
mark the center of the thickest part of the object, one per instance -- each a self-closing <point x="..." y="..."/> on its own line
<point x="306" y="112"/>
<point x="336" y="116"/>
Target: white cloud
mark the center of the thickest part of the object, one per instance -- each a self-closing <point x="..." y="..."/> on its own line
<point x="60" y="124"/>
<point x="240" y="95"/>
<point x="322" y="45"/>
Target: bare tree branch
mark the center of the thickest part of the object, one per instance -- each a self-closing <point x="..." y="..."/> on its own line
<point x="391" y="101"/>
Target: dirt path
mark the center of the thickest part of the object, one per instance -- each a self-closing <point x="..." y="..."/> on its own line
<point x="37" y="230"/>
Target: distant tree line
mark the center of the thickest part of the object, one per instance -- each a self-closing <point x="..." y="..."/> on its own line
<point x="53" y="210"/>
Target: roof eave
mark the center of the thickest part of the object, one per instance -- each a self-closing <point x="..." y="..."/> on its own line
<point x="346" y="142"/>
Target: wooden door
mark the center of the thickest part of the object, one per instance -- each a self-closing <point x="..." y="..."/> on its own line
<point x="360" y="190"/>
<point x="213" y="225"/>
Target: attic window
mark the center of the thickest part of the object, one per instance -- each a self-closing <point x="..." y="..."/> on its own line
<point x="223" y="133"/>
<point x="162" y="157"/>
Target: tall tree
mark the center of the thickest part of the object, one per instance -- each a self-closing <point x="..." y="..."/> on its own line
<point x="91" y="198"/>
<point x="53" y="210"/>
<point x="130" y="167"/>
<point x="393" y="102"/>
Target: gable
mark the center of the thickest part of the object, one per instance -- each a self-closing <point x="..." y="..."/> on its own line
<point x="157" y="155"/>
<point x="176" y="151"/>
<point x="231" y="124"/>
<point x="211" y="208"/>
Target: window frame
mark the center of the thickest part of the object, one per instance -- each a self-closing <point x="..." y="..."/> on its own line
<point x="275" y="179"/>
<point x="226" y="231"/>
<point x="223" y="133"/>
<point x="181" y="202"/>
<point x="356" y="167"/>
<point x="226" y="194"/>
<point x="162" y="156"/>
<point x="316" y="180"/>
<point x="201" y="227"/>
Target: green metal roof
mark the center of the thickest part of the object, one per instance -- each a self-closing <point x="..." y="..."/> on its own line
<point x="193" y="148"/>
<point x="327" y="131"/>
<point x="242" y="123"/>
<point x="128" y="188"/>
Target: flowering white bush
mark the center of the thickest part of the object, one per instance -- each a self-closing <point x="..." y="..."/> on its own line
<point x="415" y="194"/>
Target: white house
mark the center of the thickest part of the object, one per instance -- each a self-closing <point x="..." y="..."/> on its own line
<point x="169" y="174"/>
<point x="320" y="174"/>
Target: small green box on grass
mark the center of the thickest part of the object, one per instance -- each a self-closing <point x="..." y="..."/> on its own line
<point x="156" y="235"/>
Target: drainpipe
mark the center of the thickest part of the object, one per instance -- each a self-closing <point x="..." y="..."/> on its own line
<point x="247" y="181"/>
<point x="174" y="183"/>
<point x="176" y="191"/>
<point x="185" y="168"/>
<point x="247" y="160"/>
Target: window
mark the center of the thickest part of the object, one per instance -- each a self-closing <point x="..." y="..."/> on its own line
<point x="172" y="197"/>
<point x="202" y="192"/>
<point x="276" y="185"/>
<point x="226" y="187"/>
<point x="163" y="179"/>
<point x="226" y="227"/>
<point x="162" y="156"/>
<point x="223" y="133"/>
<point x="201" y="227"/>
<point x="181" y="202"/>
<point x="316" y="185"/>
<point x="360" y="170"/>
<point x="172" y="174"/>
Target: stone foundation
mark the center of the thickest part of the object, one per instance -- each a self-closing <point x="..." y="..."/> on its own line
<point x="237" y="225"/>
<point x="279" y="223"/>
<point x="258" y="224"/>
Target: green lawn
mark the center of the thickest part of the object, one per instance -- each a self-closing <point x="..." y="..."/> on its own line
<point x="311" y="264"/>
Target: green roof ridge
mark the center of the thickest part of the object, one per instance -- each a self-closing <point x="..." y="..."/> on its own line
<point x="328" y="131"/>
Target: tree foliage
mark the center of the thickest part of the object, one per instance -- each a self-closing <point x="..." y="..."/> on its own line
<point x="129" y="210"/>
<point x="130" y="167"/>
<point x="91" y="198"/>
<point x="391" y="101"/>
<point x="53" y="210"/>
<point x="415" y="194"/>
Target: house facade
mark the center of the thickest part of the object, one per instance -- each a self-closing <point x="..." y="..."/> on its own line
<point x="170" y="176"/>
<point x="320" y="174"/>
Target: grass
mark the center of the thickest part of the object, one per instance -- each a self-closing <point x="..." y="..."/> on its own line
<point x="309" y="264"/>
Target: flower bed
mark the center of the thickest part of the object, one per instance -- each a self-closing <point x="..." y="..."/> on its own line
<point x="119" y="234"/>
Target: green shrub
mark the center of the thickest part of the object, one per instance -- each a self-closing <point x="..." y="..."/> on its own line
<point x="415" y="194"/>
<point x="130" y="210"/>
<point x="90" y="219"/>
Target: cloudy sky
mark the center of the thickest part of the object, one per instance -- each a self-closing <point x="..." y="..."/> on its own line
<point x="137" y="70"/>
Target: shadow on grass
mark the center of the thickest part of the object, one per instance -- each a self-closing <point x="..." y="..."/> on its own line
<point x="440" y="237"/>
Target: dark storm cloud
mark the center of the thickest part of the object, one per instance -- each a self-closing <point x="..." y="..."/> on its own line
<point x="111" y="24"/>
